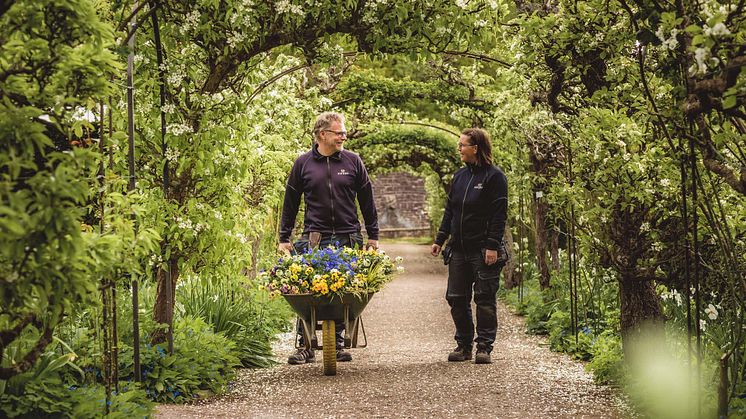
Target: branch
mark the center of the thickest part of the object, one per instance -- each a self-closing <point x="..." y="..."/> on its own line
<point x="8" y="336"/>
<point x="479" y="57"/>
<point x="30" y="359"/>
<point x="123" y="24"/>
<point x="139" y="22"/>
<point x="429" y="125"/>
<point x="713" y="162"/>
<point x="5" y="5"/>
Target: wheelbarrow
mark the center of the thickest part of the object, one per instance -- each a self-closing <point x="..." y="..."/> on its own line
<point x="322" y="313"/>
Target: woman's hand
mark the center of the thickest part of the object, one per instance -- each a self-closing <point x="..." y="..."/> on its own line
<point x="435" y="249"/>
<point x="490" y="256"/>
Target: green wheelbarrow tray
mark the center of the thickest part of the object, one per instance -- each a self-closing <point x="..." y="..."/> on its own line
<point x="312" y="309"/>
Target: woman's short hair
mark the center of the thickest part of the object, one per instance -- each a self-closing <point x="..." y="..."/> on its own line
<point x="481" y="139"/>
<point x="324" y="121"/>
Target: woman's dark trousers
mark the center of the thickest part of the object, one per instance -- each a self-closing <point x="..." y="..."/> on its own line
<point x="468" y="275"/>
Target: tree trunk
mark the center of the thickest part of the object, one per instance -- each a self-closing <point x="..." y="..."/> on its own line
<point x="554" y="249"/>
<point x="163" y="311"/>
<point x="541" y="240"/>
<point x="641" y="312"/>
<point x="511" y="277"/>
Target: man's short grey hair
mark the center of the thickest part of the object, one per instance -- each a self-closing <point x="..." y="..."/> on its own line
<point x="324" y="121"/>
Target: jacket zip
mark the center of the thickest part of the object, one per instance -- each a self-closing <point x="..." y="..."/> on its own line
<point x="331" y="193"/>
<point x="463" y="203"/>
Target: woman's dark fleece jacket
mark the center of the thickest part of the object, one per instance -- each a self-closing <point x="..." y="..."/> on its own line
<point x="476" y="210"/>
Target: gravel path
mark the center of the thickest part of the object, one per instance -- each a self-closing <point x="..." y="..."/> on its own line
<point x="404" y="372"/>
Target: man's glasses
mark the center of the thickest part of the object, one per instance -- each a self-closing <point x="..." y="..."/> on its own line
<point x="460" y="146"/>
<point x="339" y="133"/>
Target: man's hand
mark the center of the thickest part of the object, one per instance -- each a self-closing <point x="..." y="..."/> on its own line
<point x="435" y="249"/>
<point x="372" y="244"/>
<point x="285" y="248"/>
<point x="490" y="256"/>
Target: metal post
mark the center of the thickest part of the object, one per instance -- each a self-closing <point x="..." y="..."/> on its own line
<point x="131" y="185"/>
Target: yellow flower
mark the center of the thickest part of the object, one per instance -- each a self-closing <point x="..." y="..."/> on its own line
<point x="295" y="268"/>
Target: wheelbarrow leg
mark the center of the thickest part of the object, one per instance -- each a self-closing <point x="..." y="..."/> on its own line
<point x="358" y="326"/>
<point x="347" y="336"/>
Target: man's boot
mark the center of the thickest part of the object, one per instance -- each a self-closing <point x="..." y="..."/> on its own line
<point x="483" y="355"/>
<point x="460" y="354"/>
<point x="343" y="356"/>
<point x="302" y="356"/>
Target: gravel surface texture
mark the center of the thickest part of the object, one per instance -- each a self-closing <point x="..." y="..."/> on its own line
<point x="404" y="372"/>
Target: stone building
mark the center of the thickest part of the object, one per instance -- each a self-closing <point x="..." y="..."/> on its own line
<point x="401" y="204"/>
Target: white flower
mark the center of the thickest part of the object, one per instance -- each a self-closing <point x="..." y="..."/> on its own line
<point x="284" y="6"/>
<point x="700" y="58"/>
<point x="400" y="269"/>
<point x="665" y="182"/>
<point x="191" y="21"/>
<point x="462" y="3"/>
<point x="718" y="30"/>
<point x="711" y="312"/>
<point x="645" y="226"/>
<point x="677" y="297"/>
<point x="702" y="324"/>
<point x="235" y="38"/>
<point x="172" y="154"/>
<point x="399" y="260"/>
<point x="178" y="129"/>
<point x="169" y="108"/>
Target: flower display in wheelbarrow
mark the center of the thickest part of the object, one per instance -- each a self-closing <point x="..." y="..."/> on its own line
<point x="332" y="271"/>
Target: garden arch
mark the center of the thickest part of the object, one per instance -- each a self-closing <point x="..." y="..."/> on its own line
<point x="417" y="150"/>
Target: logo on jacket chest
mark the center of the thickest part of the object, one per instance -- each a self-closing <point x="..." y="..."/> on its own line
<point x="478" y="186"/>
<point x="343" y="172"/>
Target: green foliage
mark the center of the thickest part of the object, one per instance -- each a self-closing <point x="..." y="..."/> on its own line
<point x="54" y="63"/>
<point x="242" y="313"/>
<point x="607" y="360"/>
<point x="52" y="397"/>
<point x="58" y="387"/>
<point x="203" y="361"/>
<point x="398" y="147"/>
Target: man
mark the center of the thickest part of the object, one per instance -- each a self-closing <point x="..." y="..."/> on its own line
<point x="329" y="178"/>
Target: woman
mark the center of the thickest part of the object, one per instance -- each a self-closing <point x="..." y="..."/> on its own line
<point x="474" y="218"/>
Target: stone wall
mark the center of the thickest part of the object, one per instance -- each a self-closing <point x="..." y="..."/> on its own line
<point x="401" y="204"/>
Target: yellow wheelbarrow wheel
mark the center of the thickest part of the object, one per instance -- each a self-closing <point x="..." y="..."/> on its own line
<point x="329" y="347"/>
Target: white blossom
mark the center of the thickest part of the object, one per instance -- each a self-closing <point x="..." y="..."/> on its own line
<point x="235" y="38"/>
<point x="172" y="154"/>
<point x="711" y="312"/>
<point x="169" y="108"/>
<point x="178" y="129"/>
<point x="700" y="65"/>
<point x="718" y="30"/>
<point x="462" y="3"/>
